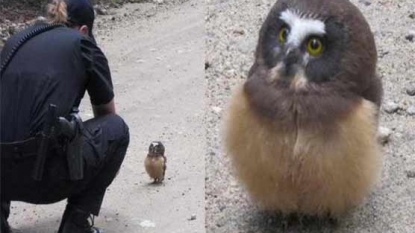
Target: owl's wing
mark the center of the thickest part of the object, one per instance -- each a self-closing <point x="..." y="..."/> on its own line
<point x="374" y="92"/>
<point x="165" y="163"/>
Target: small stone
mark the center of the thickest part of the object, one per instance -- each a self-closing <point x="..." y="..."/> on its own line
<point x="222" y="208"/>
<point x="384" y="135"/>
<point x="412" y="15"/>
<point x="410" y="90"/>
<point x="12" y="30"/>
<point x="411" y="111"/>
<point x="239" y="31"/>
<point x="41" y="18"/>
<point x="383" y="53"/>
<point x="192" y="217"/>
<point x="366" y="3"/>
<point x="114" y="4"/>
<point x="410" y="36"/>
<point x="246" y="46"/>
<point x="113" y="18"/>
<point x="101" y="11"/>
<point x="147" y="224"/>
<point x="217" y="109"/>
<point x="410" y="174"/>
<point x="391" y="107"/>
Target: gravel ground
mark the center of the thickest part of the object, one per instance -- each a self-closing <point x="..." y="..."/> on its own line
<point x="232" y="31"/>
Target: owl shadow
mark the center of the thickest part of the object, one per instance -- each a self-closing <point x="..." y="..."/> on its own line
<point x="277" y="222"/>
<point x="155" y="184"/>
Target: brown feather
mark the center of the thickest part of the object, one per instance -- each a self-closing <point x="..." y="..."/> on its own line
<point x="293" y="168"/>
<point x="155" y="167"/>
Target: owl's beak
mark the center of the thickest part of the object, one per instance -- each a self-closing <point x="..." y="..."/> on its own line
<point x="291" y="62"/>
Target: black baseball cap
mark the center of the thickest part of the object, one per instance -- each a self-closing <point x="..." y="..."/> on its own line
<point x="81" y="12"/>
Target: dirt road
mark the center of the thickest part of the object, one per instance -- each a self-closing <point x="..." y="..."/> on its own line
<point x="156" y="53"/>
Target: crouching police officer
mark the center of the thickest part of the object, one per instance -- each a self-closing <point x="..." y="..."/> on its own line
<point x="47" y="153"/>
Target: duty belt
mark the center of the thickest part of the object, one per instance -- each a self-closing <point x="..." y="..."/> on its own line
<point x="70" y="131"/>
<point x="20" y="149"/>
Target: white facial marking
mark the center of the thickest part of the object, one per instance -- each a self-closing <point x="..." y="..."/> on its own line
<point x="275" y="73"/>
<point x="301" y="28"/>
<point x="299" y="81"/>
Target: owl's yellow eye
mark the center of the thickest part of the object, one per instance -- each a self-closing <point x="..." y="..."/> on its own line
<point x="283" y="34"/>
<point x="314" y="46"/>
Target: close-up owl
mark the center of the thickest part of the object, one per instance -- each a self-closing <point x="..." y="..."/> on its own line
<point x="301" y="130"/>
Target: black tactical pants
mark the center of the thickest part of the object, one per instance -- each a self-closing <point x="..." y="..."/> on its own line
<point x="104" y="149"/>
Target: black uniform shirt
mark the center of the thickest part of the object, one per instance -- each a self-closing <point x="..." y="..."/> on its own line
<point x="55" y="67"/>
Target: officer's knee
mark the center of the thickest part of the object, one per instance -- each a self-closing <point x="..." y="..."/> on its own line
<point x="118" y="129"/>
<point x="125" y="133"/>
<point x="114" y="130"/>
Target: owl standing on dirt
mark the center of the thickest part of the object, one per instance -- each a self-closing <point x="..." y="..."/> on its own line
<point x="155" y="162"/>
<point x="301" y="130"/>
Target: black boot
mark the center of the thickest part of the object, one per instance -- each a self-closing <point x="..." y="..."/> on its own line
<point x="4" y="215"/>
<point x="77" y="221"/>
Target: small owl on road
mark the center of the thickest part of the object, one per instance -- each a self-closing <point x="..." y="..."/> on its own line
<point x="155" y="162"/>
